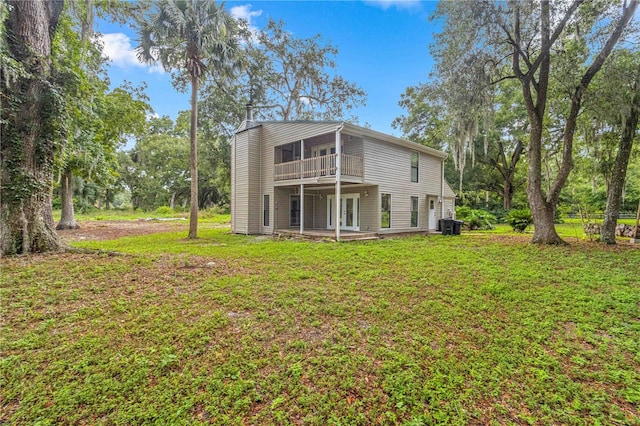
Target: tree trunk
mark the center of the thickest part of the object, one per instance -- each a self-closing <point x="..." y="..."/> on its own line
<point x="107" y="196"/>
<point x="67" y="218"/>
<point x="28" y="137"/>
<point x="193" y="215"/>
<point x="618" y="176"/>
<point x="543" y="208"/>
<point x="543" y="212"/>
<point x="507" y="195"/>
<point x="172" y="203"/>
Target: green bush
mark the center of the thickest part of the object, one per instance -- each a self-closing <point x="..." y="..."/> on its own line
<point x="519" y="219"/>
<point x="475" y="219"/>
<point x="164" y="210"/>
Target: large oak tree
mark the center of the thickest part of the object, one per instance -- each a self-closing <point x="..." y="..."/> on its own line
<point x="530" y="37"/>
<point x="30" y="127"/>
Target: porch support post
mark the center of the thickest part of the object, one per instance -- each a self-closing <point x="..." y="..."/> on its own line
<point x="302" y="159"/>
<point x="442" y="192"/>
<point x="338" y="176"/>
<point x="301" y="209"/>
<point x="301" y="186"/>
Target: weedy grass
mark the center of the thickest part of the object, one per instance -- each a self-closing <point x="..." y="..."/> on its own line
<point x="230" y="329"/>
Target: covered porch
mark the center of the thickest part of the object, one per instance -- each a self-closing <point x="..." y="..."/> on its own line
<point x="312" y="210"/>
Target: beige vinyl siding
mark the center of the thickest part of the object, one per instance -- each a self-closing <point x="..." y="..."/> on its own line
<point x="448" y="192"/>
<point x="246" y="197"/>
<point x="240" y="182"/>
<point x="320" y="210"/>
<point x="308" y="210"/>
<point x="389" y="166"/>
<point x="281" y="209"/>
<point x="275" y="133"/>
<point x="266" y="182"/>
<point x="370" y="209"/>
<point x="254" y="223"/>
<point x="352" y="147"/>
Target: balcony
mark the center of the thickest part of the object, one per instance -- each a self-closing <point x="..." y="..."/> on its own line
<point x="317" y="167"/>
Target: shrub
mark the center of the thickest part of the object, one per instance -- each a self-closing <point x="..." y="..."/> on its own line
<point x="519" y="219"/>
<point x="164" y="210"/>
<point x="214" y="211"/>
<point x="475" y="219"/>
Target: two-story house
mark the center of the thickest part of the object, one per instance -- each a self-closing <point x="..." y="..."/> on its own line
<point x="306" y="176"/>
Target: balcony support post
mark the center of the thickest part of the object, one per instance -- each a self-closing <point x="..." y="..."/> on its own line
<point x="301" y="158"/>
<point x="338" y="175"/>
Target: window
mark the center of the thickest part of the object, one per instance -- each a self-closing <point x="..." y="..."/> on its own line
<point x="294" y="210"/>
<point x="385" y="216"/>
<point x="415" y="158"/>
<point x="265" y="215"/>
<point x="414" y="212"/>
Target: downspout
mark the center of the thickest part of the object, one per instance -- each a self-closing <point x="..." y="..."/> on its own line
<point x="338" y="177"/>
<point x="261" y="191"/>
<point x="301" y="187"/>
<point x="442" y="191"/>
<point x="234" y="212"/>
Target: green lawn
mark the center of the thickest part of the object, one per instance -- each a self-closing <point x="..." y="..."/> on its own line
<point x="114" y="214"/>
<point x="231" y="329"/>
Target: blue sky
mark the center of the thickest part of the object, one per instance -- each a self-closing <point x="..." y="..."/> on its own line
<point x="383" y="47"/>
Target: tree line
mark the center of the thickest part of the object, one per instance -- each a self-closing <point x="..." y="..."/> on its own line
<point x="536" y="102"/>
<point x="62" y="125"/>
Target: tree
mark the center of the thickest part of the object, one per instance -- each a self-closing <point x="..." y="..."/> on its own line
<point x="292" y="75"/>
<point x="495" y="126"/>
<point x="78" y="67"/>
<point x="531" y="36"/>
<point x="97" y="121"/>
<point x="196" y="38"/>
<point x="617" y="101"/>
<point x="30" y="128"/>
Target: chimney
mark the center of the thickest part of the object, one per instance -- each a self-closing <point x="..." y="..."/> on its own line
<point x="249" y="115"/>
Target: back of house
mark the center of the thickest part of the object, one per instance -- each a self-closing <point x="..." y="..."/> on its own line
<point x="304" y="176"/>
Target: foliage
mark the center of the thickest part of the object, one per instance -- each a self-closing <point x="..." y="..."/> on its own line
<point x="244" y="330"/>
<point x="296" y="77"/>
<point x="487" y="43"/>
<point x="32" y="126"/>
<point x="475" y="219"/>
<point x="164" y="210"/>
<point x="156" y="169"/>
<point x="193" y="39"/>
<point x="519" y="220"/>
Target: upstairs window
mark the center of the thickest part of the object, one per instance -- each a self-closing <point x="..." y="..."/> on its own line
<point x="415" y="159"/>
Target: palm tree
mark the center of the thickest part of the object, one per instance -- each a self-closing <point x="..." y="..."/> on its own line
<point x="196" y="38"/>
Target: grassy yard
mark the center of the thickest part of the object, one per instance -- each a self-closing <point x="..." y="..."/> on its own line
<point x="246" y="330"/>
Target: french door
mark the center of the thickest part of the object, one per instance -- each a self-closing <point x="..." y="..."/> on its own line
<point x="349" y="216"/>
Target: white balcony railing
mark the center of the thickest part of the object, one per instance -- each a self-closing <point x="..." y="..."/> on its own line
<point x="319" y="166"/>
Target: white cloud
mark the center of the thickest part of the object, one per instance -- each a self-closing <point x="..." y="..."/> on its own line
<point x="118" y="48"/>
<point x="245" y="13"/>
<point x="400" y="4"/>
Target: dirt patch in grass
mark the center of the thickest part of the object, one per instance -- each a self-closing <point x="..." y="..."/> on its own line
<point x="99" y="230"/>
